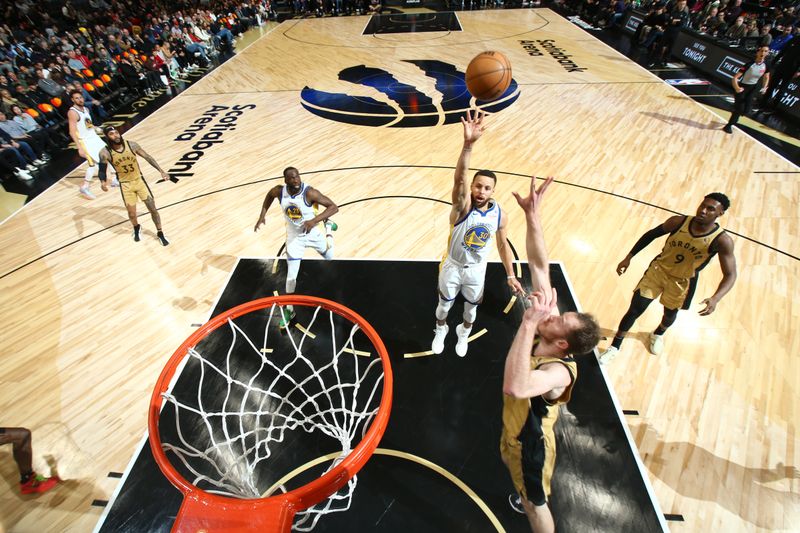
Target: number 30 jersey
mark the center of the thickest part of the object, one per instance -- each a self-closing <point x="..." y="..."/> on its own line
<point x="471" y="237"/>
<point x="684" y="254"/>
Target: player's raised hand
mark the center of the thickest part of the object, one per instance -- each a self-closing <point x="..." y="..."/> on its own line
<point x="532" y="203"/>
<point x="473" y="126"/>
<point x="542" y="304"/>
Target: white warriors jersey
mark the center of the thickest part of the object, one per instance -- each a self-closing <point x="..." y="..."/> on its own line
<point x="471" y="236"/>
<point x="87" y="136"/>
<point x="86" y="130"/>
<point x="296" y="210"/>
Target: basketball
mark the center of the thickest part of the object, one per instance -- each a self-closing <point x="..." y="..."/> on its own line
<point x="488" y="75"/>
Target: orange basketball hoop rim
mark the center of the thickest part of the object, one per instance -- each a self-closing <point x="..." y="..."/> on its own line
<point x="202" y="510"/>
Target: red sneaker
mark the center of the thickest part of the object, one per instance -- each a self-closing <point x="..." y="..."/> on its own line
<point x="38" y="484"/>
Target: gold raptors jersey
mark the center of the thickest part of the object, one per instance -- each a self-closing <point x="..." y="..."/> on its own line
<point x="125" y="163"/>
<point x="516" y="410"/>
<point x="684" y="253"/>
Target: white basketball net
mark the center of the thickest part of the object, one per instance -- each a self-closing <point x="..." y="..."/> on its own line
<point x="337" y="396"/>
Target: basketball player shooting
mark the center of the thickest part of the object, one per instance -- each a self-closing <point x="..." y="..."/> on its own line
<point x="299" y="203"/>
<point x="475" y="218"/>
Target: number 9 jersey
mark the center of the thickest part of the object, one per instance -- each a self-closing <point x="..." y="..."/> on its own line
<point x="684" y="253"/>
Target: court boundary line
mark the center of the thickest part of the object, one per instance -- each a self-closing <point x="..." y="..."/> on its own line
<point x="146" y="438"/>
<point x="120" y="483"/>
<point x="347" y="169"/>
<point x="618" y="408"/>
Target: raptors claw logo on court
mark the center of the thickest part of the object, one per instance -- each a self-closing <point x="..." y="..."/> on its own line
<point x="409" y="108"/>
<point x="476" y="238"/>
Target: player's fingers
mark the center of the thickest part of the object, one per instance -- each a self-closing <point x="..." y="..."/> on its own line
<point x="545" y="185"/>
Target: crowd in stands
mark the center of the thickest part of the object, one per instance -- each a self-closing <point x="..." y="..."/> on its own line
<point x="113" y="51"/>
<point x="767" y="23"/>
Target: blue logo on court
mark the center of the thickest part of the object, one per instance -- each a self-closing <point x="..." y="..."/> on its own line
<point x="409" y="107"/>
<point x="476" y="238"/>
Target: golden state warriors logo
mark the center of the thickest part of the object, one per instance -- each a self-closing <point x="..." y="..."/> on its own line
<point x="88" y="123"/>
<point x="293" y="213"/>
<point x="476" y="238"/>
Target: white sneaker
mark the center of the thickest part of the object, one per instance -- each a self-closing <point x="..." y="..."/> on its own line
<point x="608" y="355"/>
<point x="656" y="344"/>
<point x="86" y="193"/>
<point x="115" y="182"/>
<point x="31" y="168"/>
<point x="39" y="162"/>
<point x="439" y="334"/>
<point x="22" y="174"/>
<point x="462" y="335"/>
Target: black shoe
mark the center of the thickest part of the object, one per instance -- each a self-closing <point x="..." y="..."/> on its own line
<point x="515" y="501"/>
<point x="161" y="238"/>
<point x="136" y="229"/>
<point x="727" y="128"/>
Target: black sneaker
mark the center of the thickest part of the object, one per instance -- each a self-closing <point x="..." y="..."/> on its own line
<point x="136" y="230"/>
<point x="727" y="128"/>
<point x="161" y="238"/>
<point x="515" y="502"/>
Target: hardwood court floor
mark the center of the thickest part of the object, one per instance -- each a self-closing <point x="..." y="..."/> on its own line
<point x="89" y="316"/>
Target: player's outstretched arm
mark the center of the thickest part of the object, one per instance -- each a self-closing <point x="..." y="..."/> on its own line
<point x="671" y="224"/>
<point x="103" y="168"/>
<point x="473" y="129"/>
<point x="138" y="150"/>
<point x="728" y="263"/>
<point x="506" y="256"/>
<point x="538" y="261"/>
<point x="315" y="197"/>
<point x="519" y="380"/>
<point x="271" y="195"/>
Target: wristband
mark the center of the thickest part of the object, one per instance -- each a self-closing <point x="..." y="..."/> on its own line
<point x="511" y="277"/>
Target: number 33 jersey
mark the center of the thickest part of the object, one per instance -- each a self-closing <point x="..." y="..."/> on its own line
<point x="685" y="253"/>
<point x="125" y="163"/>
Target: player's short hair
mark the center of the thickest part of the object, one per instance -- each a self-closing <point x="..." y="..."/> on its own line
<point x="487" y="173"/>
<point x="108" y="128"/>
<point x="73" y="91"/>
<point x="585" y="337"/>
<point x="721" y="198"/>
<point x="287" y="169"/>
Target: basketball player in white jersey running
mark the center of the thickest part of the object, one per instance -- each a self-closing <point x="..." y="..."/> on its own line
<point x="299" y="203"/>
<point x="85" y="136"/>
<point x="475" y="219"/>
